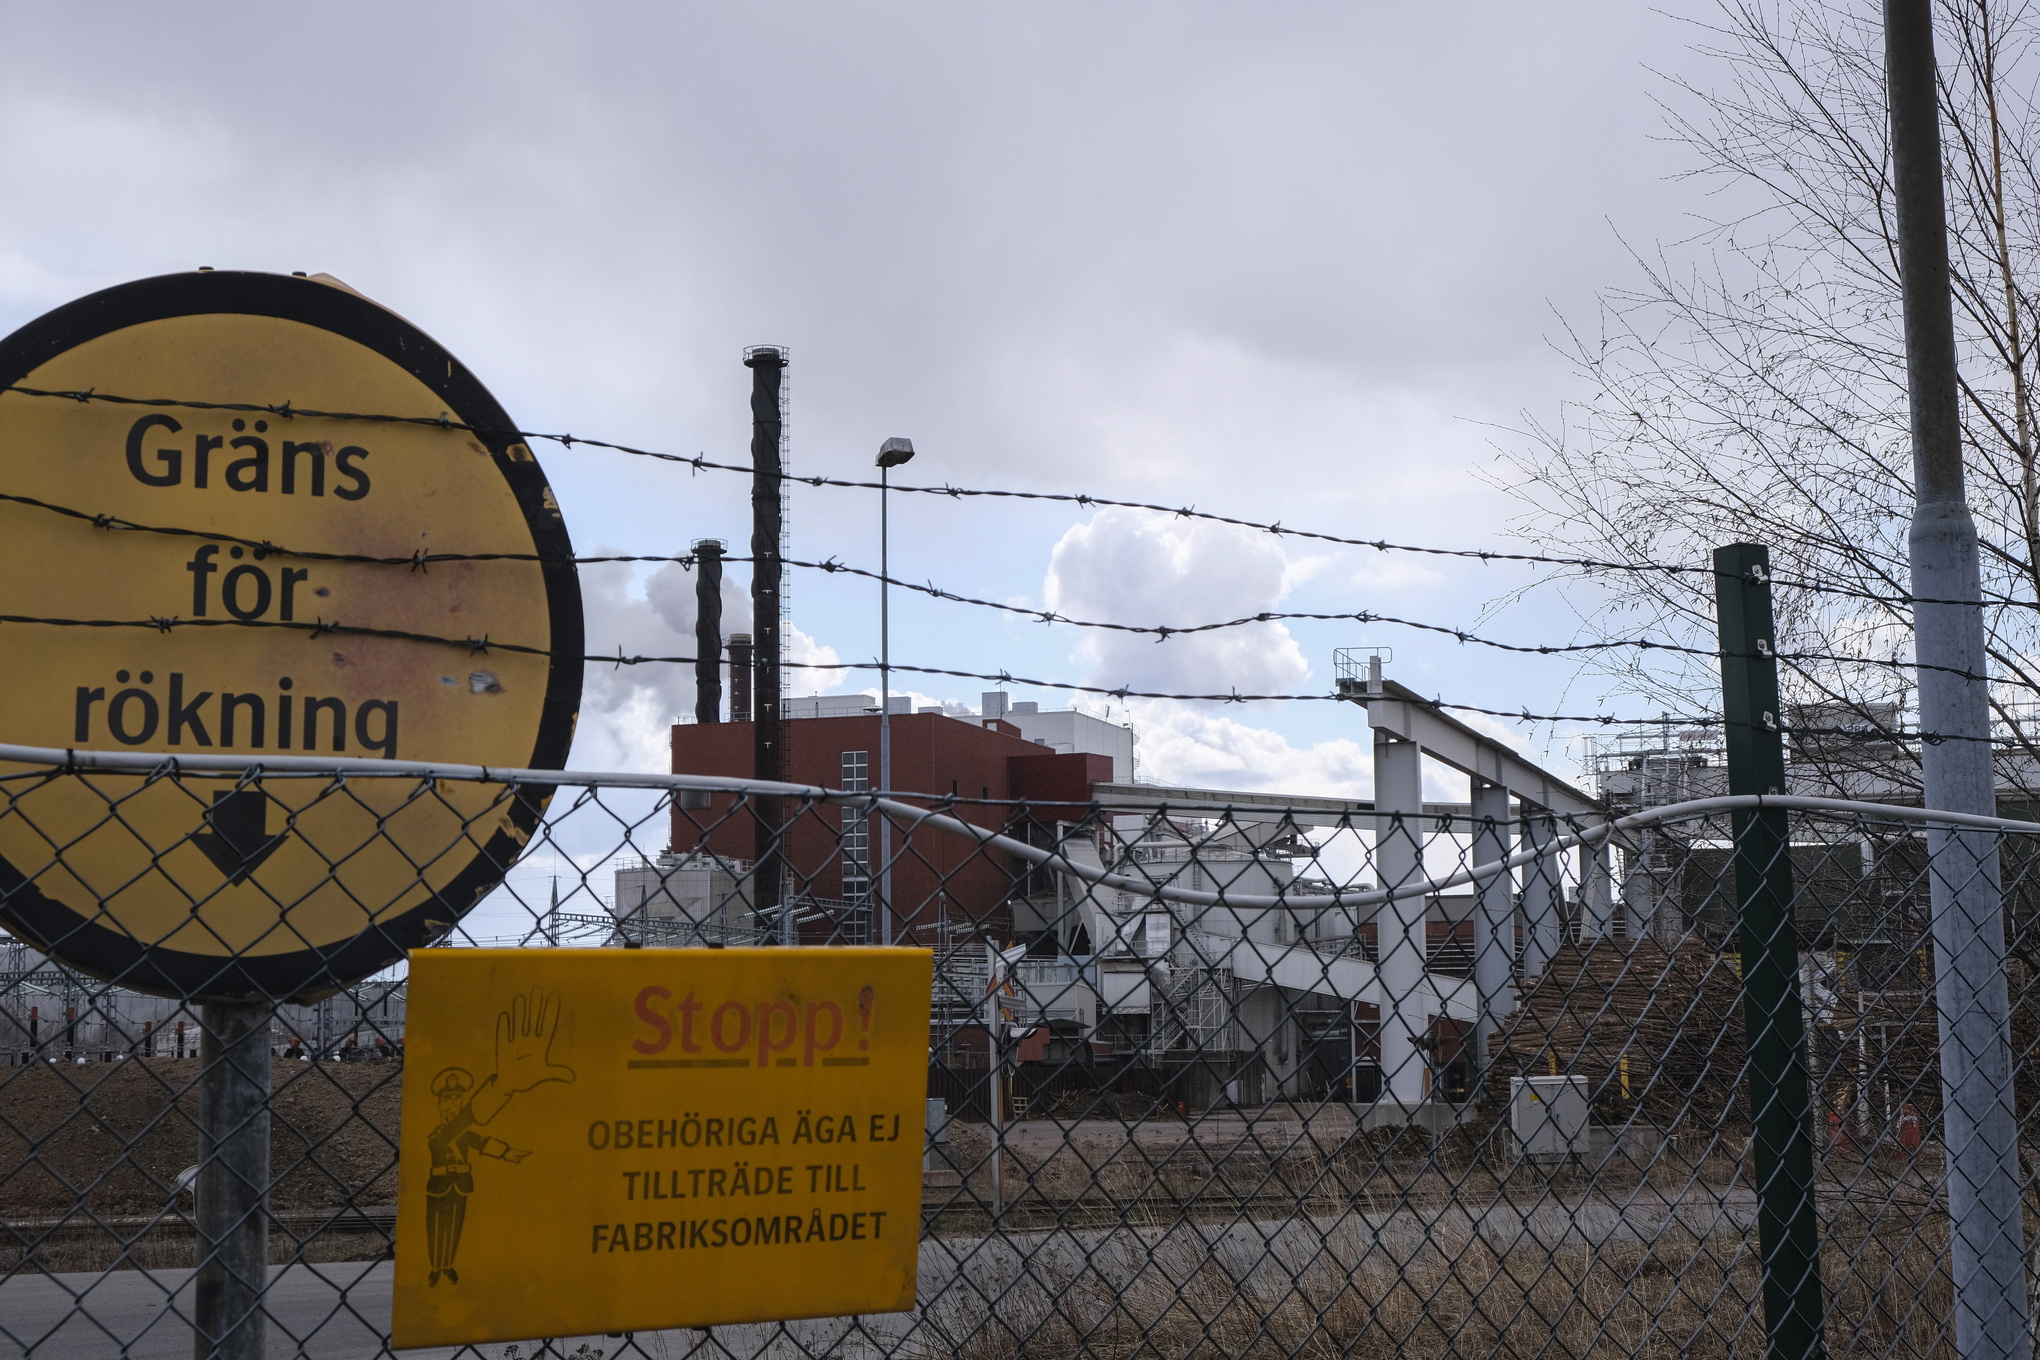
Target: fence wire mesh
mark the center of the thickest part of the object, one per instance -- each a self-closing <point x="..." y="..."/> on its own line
<point x="1203" y="1080"/>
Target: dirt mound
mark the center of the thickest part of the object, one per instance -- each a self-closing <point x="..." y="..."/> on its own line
<point x="111" y="1137"/>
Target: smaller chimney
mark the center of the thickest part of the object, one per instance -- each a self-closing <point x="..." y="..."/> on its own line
<point x="708" y="641"/>
<point x="740" y="677"/>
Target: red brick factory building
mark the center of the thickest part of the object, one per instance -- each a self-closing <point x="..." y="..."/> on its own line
<point x="982" y="770"/>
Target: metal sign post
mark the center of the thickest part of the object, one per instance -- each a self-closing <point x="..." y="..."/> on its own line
<point x="230" y="1197"/>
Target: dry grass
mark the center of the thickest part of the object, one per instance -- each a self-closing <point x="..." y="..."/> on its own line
<point x="1266" y="1168"/>
<point x="1675" y="1300"/>
<point x="1384" y="1246"/>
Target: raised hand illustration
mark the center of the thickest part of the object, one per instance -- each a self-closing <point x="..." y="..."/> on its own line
<point x="524" y="1038"/>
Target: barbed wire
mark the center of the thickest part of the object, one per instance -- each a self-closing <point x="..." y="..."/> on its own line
<point x="1872" y="731"/>
<point x="1160" y="632"/>
<point x="263" y="547"/>
<point x="701" y="463"/>
<point x="422" y="559"/>
<point x="485" y="644"/>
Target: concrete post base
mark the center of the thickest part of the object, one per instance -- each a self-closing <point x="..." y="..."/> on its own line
<point x="1395" y="1114"/>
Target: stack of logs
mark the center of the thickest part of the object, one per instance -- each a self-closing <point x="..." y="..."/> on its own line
<point x="1674" y="1015"/>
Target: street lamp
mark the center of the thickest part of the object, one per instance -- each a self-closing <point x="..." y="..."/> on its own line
<point x="891" y="454"/>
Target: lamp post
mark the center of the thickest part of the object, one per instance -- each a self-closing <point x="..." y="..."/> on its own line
<point x="891" y="454"/>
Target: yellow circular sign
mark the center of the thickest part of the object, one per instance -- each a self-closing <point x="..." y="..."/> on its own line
<point x="219" y="565"/>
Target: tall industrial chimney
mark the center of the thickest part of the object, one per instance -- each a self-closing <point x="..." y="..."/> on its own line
<point x="708" y="554"/>
<point x="767" y="364"/>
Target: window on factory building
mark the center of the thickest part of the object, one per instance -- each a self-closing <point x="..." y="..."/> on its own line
<point x="856" y="849"/>
<point x="856" y="856"/>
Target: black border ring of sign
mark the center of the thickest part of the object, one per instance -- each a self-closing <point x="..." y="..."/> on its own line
<point x="314" y="971"/>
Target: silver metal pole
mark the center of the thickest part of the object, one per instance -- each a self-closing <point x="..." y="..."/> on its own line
<point x="1980" y="1127"/>
<point x="1543" y="892"/>
<point x="230" y="1197"/>
<point x="1597" y="902"/>
<point x="1494" y="917"/>
<point x="884" y="704"/>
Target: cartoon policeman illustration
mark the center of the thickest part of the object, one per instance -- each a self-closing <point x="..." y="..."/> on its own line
<point x="524" y="1037"/>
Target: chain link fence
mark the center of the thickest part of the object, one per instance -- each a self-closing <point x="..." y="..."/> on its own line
<point x="1201" y="1082"/>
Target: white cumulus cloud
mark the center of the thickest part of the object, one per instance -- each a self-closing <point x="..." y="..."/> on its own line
<point x="825" y="675"/>
<point x="626" y="710"/>
<point x="1191" y="749"/>
<point x="1133" y="567"/>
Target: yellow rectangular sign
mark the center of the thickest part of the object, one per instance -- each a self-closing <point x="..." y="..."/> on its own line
<point x="612" y="1140"/>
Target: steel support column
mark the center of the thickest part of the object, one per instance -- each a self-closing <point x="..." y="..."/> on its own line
<point x="1543" y="894"/>
<point x="1399" y="922"/>
<point x="1494" y="916"/>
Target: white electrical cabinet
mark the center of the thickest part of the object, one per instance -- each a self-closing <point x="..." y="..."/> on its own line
<point x="1548" y="1115"/>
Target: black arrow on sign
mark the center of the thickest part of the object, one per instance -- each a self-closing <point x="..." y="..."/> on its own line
<point x="239" y="838"/>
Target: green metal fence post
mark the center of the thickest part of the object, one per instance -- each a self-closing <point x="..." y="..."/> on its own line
<point x="1788" y="1224"/>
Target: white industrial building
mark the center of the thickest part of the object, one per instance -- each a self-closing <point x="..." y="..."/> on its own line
<point x="677" y="901"/>
<point x="1066" y="730"/>
<point x="1265" y="983"/>
<point x="49" y="1013"/>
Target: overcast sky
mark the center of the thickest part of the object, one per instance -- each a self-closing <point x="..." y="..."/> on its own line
<point x="1289" y="261"/>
